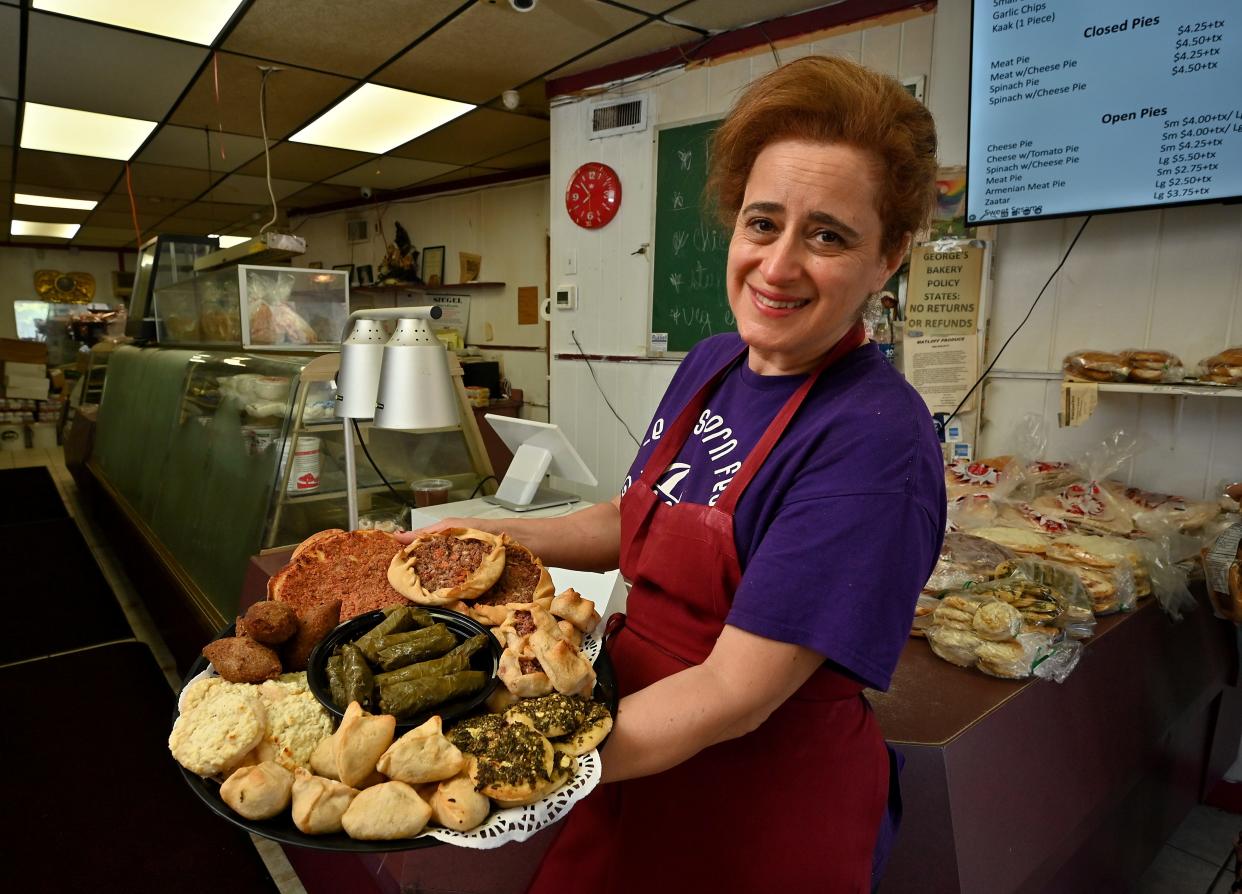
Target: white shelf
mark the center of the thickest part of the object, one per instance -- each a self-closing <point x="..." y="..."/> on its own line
<point x="1180" y="390"/>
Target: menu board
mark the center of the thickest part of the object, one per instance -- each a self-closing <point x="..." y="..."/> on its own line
<point x="1078" y="107"/>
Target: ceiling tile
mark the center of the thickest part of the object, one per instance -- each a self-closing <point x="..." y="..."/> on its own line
<point x="532" y="100"/>
<point x="322" y="194"/>
<point x="108" y="236"/>
<point x="49" y="215"/>
<point x="8" y="121"/>
<point x="168" y="182"/>
<point x="294" y="97"/>
<point x="647" y="39"/>
<point x="187" y="147"/>
<point x="122" y="219"/>
<point x="331" y="36"/>
<point x="517" y="47"/>
<point x="149" y="207"/>
<point x="528" y="156"/>
<point x="299" y="161"/>
<point x="58" y="169"/>
<point x="390" y="173"/>
<point x="459" y="174"/>
<point x="10" y="49"/>
<point x="190" y="226"/>
<point x="81" y="65"/>
<point x="220" y="213"/>
<point x="476" y="136"/>
<point x="253" y="190"/>
<point x="725" y="15"/>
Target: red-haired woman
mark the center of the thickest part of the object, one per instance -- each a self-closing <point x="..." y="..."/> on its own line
<point x="777" y="524"/>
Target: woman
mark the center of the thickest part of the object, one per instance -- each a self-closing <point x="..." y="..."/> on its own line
<point x="777" y="524"/>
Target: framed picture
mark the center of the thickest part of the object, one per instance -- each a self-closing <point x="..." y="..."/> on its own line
<point x="366" y="276"/>
<point x="348" y="268"/>
<point x="315" y="265"/>
<point x="433" y="265"/>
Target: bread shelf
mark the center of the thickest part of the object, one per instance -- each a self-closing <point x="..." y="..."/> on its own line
<point x="1184" y="389"/>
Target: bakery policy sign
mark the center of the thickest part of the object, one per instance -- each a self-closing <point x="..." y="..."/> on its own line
<point x="942" y="295"/>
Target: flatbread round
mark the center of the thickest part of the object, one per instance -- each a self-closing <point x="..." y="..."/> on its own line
<point x="218" y="731"/>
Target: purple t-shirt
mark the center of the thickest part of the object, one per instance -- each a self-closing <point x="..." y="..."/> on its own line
<point x="840" y="528"/>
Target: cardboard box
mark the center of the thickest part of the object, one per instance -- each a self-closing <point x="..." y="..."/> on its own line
<point x="31" y="389"/>
<point x="23" y="351"/>
<point x="25" y="370"/>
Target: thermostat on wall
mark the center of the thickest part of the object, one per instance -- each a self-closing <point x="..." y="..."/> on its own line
<point x="566" y="298"/>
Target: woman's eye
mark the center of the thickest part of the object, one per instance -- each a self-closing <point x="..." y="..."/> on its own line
<point x="827" y="237"/>
<point x="762" y="225"/>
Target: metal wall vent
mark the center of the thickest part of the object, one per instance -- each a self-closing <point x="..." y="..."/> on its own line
<point x="357" y="231"/>
<point x="618" y="116"/>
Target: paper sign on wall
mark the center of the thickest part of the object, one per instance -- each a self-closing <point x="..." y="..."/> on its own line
<point x="456" y="312"/>
<point x="941" y="368"/>
<point x="528" y="305"/>
<point x="942" y="294"/>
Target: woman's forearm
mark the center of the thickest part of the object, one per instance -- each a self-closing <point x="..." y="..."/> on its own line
<point x="740" y="684"/>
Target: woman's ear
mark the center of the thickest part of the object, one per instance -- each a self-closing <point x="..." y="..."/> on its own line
<point x="893" y="262"/>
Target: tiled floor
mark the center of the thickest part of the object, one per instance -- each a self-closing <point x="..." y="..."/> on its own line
<point x="144" y="630"/>
<point x="1197" y="859"/>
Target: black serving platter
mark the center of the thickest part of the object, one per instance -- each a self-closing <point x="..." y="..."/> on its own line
<point x="462" y="627"/>
<point x="281" y="828"/>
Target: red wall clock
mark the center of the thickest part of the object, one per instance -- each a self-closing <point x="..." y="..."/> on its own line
<point x="593" y="195"/>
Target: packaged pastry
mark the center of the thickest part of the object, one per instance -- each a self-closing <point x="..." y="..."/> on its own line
<point x="966" y="559"/>
<point x="1224" y="368"/>
<point x="1150" y="365"/>
<point x="1096" y="366"/>
<point x="991" y="475"/>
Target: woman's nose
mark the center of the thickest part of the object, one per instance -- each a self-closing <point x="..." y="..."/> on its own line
<point x="782" y="261"/>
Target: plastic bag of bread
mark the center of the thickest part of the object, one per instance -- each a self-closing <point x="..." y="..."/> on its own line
<point x="1224" y="368"/>
<point x="1048" y="597"/>
<point x="1222" y="570"/>
<point x="966" y="559"/>
<point x="1095" y="366"/>
<point x="995" y="476"/>
<point x="1151" y="366"/>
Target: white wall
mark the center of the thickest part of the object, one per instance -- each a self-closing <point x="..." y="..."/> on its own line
<point x="18" y="266"/>
<point x="1170" y="279"/>
<point x="507" y="225"/>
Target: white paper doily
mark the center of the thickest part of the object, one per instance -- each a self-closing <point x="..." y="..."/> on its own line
<point x="508" y="824"/>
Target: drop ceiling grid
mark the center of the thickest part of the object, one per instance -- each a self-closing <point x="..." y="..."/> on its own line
<point x="513" y="47"/>
<point x="457" y="49"/>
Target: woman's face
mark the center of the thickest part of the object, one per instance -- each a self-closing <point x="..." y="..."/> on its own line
<point x="805" y="252"/>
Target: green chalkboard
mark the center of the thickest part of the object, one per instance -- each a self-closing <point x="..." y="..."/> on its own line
<point x="688" y="299"/>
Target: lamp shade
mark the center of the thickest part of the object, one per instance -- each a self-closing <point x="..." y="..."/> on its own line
<point x="357" y="383"/>
<point x="415" y="387"/>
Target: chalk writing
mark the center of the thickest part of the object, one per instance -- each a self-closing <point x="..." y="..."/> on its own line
<point x="680" y="238"/>
<point x="685" y="156"/>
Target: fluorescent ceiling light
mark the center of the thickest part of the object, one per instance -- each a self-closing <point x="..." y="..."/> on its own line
<point x="54" y="202"/>
<point x="198" y="21"/>
<point x="228" y="241"/>
<point x="378" y="119"/>
<point x="35" y="228"/>
<point x="54" y="129"/>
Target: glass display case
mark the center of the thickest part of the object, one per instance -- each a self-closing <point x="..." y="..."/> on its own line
<point x="220" y="454"/>
<point x="163" y="262"/>
<point x="249" y="306"/>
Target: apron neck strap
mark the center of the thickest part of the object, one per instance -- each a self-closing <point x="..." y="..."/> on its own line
<point x="852" y="339"/>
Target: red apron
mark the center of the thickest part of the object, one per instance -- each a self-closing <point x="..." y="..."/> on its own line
<point x="794" y="805"/>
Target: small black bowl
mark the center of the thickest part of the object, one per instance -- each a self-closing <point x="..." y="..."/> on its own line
<point x="485" y="660"/>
